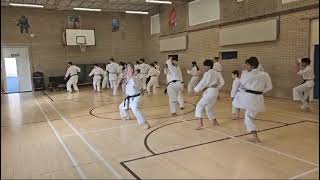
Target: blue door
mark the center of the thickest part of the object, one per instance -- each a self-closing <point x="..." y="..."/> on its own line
<point x="316" y="71"/>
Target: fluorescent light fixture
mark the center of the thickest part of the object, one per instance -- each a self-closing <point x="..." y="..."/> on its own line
<point x="26" y="5"/>
<point x="86" y="9"/>
<point x="136" y="12"/>
<point x="159" y="2"/>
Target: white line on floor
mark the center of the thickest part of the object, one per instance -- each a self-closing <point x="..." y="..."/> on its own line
<point x="257" y="145"/>
<point x="305" y="173"/>
<point x="99" y="156"/>
<point x="66" y="149"/>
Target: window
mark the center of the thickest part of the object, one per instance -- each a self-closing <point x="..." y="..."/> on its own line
<point x="202" y="11"/>
<point x="229" y="55"/>
<point x="155" y="24"/>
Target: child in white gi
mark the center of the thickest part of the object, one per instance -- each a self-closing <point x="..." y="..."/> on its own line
<point x="253" y="84"/>
<point x="113" y="71"/>
<point x="144" y="68"/>
<point x="133" y="97"/>
<point x="72" y="71"/>
<point x="211" y="82"/>
<point x="195" y="73"/>
<point x="235" y="87"/>
<point x="153" y="73"/>
<point x="174" y="86"/>
<point x="97" y="73"/>
<point x="303" y="91"/>
<point x="158" y="68"/>
<point x="105" y="81"/>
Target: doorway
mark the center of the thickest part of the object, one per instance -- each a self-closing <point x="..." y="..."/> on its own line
<point x="16" y="69"/>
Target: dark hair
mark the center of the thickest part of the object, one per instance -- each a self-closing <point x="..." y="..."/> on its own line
<point x="111" y="59"/>
<point x="95" y="64"/>
<point x="217" y="58"/>
<point x="70" y="62"/>
<point x="306" y="60"/>
<point x="152" y="64"/>
<point x="208" y="62"/>
<point x="236" y="72"/>
<point x="195" y="64"/>
<point x="155" y="62"/>
<point x="137" y="62"/>
<point x="253" y="61"/>
<point x="142" y="60"/>
<point x="138" y="70"/>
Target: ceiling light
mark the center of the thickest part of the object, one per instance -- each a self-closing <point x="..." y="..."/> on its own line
<point x="26" y="5"/>
<point x="86" y="9"/>
<point x="136" y="12"/>
<point x="159" y="2"/>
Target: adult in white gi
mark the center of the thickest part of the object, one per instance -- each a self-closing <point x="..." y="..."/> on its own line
<point x="72" y="71"/>
<point x="122" y="76"/>
<point x="217" y="65"/>
<point x="253" y="84"/>
<point x="97" y="73"/>
<point x="175" y="86"/>
<point x="144" y="68"/>
<point x="195" y="73"/>
<point x="235" y="87"/>
<point x="212" y="82"/>
<point x="153" y="73"/>
<point x="113" y="71"/>
<point x="159" y="69"/>
<point x="133" y="97"/>
<point x="304" y="91"/>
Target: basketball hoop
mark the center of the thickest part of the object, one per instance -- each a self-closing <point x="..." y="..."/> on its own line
<point x="83" y="47"/>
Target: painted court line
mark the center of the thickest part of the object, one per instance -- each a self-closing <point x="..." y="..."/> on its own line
<point x="305" y="173"/>
<point x="99" y="156"/>
<point x="66" y="149"/>
<point x="257" y="145"/>
<point x="105" y="129"/>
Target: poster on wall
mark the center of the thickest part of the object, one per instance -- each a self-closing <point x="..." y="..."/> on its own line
<point x="173" y="18"/>
<point x="115" y="25"/>
<point x="74" y="22"/>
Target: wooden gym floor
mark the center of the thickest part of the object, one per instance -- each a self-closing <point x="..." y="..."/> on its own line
<point x="60" y="135"/>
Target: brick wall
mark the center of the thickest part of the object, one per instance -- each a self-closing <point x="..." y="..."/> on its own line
<point x="47" y="52"/>
<point x="278" y="57"/>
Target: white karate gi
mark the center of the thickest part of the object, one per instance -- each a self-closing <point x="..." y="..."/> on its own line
<point x="260" y="68"/>
<point x="122" y="78"/>
<point x="303" y="91"/>
<point x="158" y="68"/>
<point x="209" y="97"/>
<point x="113" y="69"/>
<point x="174" y="89"/>
<point x="105" y="81"/>
<point x="133" y="87"/>
<point x="153" y="73"/>
<point x="194" y="79"/>
<point x="144" y="68"/>
<point x="72" y="71"/>
<point x="97" y="72"/>
<point x="235" y="87"/>
<point x="136" y="67"/>
<point x="254" y="80"/>
<point x="217" y="66"/>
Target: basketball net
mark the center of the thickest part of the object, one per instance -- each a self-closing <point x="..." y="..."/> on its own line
<point x="82" y="47"/>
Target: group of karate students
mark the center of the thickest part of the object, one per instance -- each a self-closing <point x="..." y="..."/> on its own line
<point x="247" y="91"/>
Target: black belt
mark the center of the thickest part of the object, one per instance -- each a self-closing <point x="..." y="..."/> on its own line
<point x="305" y="80"/>
<point x="174" y="81"/>
<point x="128" y="98"/>
<point x="253" y="92"/>
<point x="74" y="75"/>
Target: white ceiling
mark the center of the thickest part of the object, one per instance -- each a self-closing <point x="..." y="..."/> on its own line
<point x="105" y="5"/>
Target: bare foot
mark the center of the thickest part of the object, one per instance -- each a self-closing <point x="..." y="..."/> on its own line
<point x="174" y="114"/>
<point x="182" y="108"/>
<point x="215" y="122"/>
<point x="255" y="138"/>
<point x="147" y="126"/>
<point x="199" y="128"/>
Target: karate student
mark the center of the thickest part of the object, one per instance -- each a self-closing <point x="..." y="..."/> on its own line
<point x="211" y="82"/>
<point x="253" y="84"/>
<point x="303" y="91"/>
<point x="235" y="87"/>
<point x="175" y="85"/>
<point x="113" y="69"/>
<point x="97" y="73"/>
<point x="158" y="68"/>
<point x="195" y="73"/>
<point x="136" y="67"/>
<point x="217" y="65"/>
<point x="144" y="68"/>
<point x="133" y="97"/>
<point x="122" y="76"/>
<point x="105" y="81"/>
<point x="72" y="71"/>
<point x="153" y="73"/>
